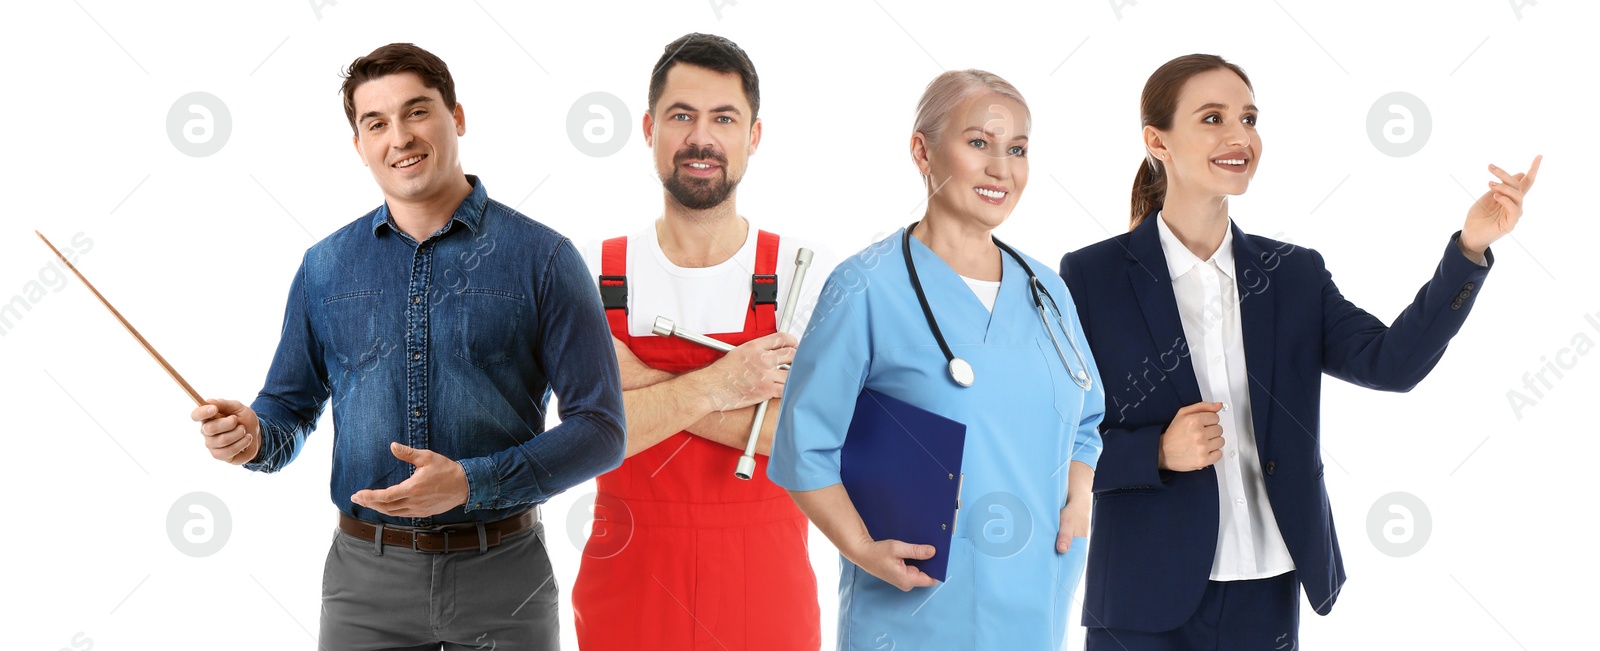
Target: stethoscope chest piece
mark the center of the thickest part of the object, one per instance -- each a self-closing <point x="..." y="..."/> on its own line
<point x="961" y="372"/>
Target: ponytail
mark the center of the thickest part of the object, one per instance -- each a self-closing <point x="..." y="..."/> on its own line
<point x="1149" y="192"/>
<point x="1158" y="103"/>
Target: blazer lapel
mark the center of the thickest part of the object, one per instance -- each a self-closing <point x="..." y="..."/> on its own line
<point x="1254" y="267"/>
<point x="1152" y="285"/>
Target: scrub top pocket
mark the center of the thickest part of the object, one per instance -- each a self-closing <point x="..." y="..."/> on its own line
<point x="1068" y="395"/>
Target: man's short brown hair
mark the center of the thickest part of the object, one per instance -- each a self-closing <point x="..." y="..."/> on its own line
<point x="396" y="58"/>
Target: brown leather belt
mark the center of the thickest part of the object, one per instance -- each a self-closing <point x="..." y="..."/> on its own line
<point x="449" y="538"/>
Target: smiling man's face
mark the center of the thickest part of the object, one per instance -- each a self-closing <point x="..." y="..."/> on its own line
<point x="408" y="137"/>
<point x="702" y="135"/>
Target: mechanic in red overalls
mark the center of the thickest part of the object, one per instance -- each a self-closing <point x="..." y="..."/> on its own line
<point x="682" y="554"/>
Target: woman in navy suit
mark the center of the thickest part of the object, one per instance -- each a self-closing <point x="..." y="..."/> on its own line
<point x="1210" y="511"/>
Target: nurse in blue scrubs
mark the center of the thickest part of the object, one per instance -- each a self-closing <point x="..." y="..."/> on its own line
<point x="1025" y="386"/>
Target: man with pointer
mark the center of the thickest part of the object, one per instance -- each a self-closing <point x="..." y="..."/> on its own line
<point x="438" y="325"/>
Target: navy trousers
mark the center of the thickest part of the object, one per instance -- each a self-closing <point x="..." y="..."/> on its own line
<point x="1261" y="614"/>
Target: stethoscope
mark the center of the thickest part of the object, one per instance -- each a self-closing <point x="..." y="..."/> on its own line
<point x="960" y="370"/>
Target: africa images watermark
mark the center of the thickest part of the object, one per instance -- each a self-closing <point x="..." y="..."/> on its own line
<point x="1537" y="382"/>
<point x="52" y="278"/>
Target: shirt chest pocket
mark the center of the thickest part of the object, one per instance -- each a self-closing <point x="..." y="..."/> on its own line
<point x="487" y="322"/>
<point x="352" y="329"/>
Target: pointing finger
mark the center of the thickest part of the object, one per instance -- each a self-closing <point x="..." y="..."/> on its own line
<point x="1527" y="182"/>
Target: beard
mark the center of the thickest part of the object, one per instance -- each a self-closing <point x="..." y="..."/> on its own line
<point x="698" y="193"/>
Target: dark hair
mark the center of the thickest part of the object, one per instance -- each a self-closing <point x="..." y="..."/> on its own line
<point x="1157" y="106"/>
<point x="396" y="58"/>
<point x="712" y="53"/>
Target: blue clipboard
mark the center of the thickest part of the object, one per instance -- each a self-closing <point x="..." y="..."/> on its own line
<point x="901" y="465"/>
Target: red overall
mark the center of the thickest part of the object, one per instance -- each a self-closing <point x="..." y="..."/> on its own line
<point x="683" y="555"/>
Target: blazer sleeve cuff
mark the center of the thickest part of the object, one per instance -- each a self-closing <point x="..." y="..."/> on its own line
<point x="1129" y="460"/>
<point x="1460" y="257"/>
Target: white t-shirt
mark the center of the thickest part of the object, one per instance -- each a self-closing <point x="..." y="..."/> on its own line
<point x="709" y="300"/>
<point x="987" y="291"/>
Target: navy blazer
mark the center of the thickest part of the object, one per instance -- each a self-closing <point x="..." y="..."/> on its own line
<point x="1154" y="531"/>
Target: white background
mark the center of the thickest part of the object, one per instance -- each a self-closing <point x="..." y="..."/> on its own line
<point x="198" y="252"/>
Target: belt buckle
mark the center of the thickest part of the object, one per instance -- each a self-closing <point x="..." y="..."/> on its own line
<point x="416" y="536"/>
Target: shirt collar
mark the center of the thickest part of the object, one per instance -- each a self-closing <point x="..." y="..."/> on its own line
<point x="469" y="213"/>
<point x="1180" y="259"/>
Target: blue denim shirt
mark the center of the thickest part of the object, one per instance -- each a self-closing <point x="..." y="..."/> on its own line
<point x="454" y="345"/>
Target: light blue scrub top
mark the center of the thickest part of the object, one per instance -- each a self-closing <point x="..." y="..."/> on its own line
<point x="1007" y="588"/>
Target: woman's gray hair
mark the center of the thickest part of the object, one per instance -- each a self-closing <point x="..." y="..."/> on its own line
<point x="948" y="90"/>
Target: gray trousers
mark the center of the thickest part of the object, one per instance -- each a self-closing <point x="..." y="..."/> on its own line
<point x="396" y="598"/>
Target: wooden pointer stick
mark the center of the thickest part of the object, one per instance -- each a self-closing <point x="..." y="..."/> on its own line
<point x="147" y="347"/>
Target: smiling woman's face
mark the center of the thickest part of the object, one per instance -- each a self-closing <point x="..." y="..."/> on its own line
<point x="1213" y="147"/>
<point x="980" y="167"/>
